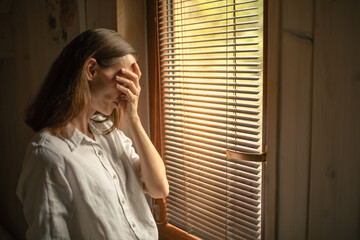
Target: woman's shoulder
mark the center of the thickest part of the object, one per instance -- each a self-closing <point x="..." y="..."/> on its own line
<point x="46" y="146"/>
<point x="47" y="140"/>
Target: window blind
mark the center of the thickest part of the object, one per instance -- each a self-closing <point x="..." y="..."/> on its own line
<point x="211" y="69"/>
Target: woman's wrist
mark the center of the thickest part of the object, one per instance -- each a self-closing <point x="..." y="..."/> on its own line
<point x="133" y="120"/>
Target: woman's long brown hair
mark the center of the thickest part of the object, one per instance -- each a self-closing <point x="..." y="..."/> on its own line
<point x="65" y="92"/>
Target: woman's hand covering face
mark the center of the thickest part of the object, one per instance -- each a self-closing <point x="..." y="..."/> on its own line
<point x="128" y="84"/>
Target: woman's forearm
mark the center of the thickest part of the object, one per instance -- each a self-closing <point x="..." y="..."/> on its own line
<point x="152" y="166"/>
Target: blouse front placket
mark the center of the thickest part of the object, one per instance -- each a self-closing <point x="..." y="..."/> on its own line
<point x="100" y="153"/>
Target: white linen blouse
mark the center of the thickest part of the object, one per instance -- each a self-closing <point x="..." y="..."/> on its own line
<point x="79" y="188"/>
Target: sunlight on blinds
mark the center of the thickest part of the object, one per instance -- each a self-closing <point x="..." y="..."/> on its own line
<point x="211" y="59"/>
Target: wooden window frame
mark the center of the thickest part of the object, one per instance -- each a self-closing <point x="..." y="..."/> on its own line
<point x="271" y="80"/>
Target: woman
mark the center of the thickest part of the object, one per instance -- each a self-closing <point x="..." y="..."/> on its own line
<point x="81" y="178"/>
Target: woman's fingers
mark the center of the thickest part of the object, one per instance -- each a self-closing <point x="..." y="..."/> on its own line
<point x="128" y="84"/>
<point x="129" y="94"/>
<point x="136" y="69"/>
<point x="134" y="76"/>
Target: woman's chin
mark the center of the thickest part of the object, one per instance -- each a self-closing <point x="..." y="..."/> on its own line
<point x="109" y="109"/>
<point x="107" y="112"/>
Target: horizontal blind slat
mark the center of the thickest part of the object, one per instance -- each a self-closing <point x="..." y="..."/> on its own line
<point x="192" y="217"/>
<point x="202" y="22"/>
<point x="205" y="16"/>
<point x="244" y="183"/>
<point x="214" y="233"/>
<point x="218" y="142"/>
<point x="241" y="231"/>
<point x="215" y="108"/>
<point x="249" y="50"/>
<point x="208" y="27"/>
<point x="212" y="208"/>
<point x="207" y="9"/>
<point x="211" y="230"/>
<point x="234" y="168"/>
<point x="179" y="207"/>
<point x="200" y="59"/>
<point x="182" y="204"/>
<point x="224" y="98"/>
<point x="214" y="205"/>
<point x="246" y="131"/>
<point x="177" y="160"/>
<point x="211" y="90"/>
<point x="178" y="156"/>
<point x="162" y="5"/>
<point x="215" y="138"/>
<point x="209" y="46"/>
<point x="220" y="184"/>
<point x="227" y="33"/>
<point x="215" y="39"/>
<point x="242" y="64"/>
<point x="194" y="5"/>
<point x="179" y="146"/>
<point x="234" y="83"/>
<point x="242" y="178"/>
<point x="196" y="133"/>
<point x="212" y="71"/>
<point x="192" y="181"/>
<point x="251" y="121"/>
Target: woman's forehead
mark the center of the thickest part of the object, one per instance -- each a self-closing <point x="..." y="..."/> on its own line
<point x="127" y="60"/>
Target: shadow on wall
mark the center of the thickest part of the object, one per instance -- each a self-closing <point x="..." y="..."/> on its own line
<point x="32" y="34"/>
<point x="4" y="235"/>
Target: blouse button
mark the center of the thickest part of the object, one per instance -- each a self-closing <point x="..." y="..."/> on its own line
<point x="114" y="177"/>
<point x="123" y="202"/>
<point x="99" y="152"/>
<point x="133" y="225"/>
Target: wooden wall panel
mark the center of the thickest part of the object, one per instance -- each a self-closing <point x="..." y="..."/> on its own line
<point x="100" y="13"/>
<point x="295" y="129"/>
<point x="129" y="19"/>
<point x="15" y="75"/>
<point x="272" y="78"/>
<point x="295" y="118"/>
<point x="335" y="179"/>
<point x="131" y="22"/>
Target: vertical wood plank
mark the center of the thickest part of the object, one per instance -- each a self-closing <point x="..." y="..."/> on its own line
<point x="294" y="151"/>
<point x="15" y="74"/>
<point x="335" y="179"/>
<point x="131" y="22"/>
<point x="101" y="13"/>
<point x="295" y="118"/>
<point x="272" y="30"/>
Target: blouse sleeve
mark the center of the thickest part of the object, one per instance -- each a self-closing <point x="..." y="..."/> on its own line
<point x="45" y="194"/>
